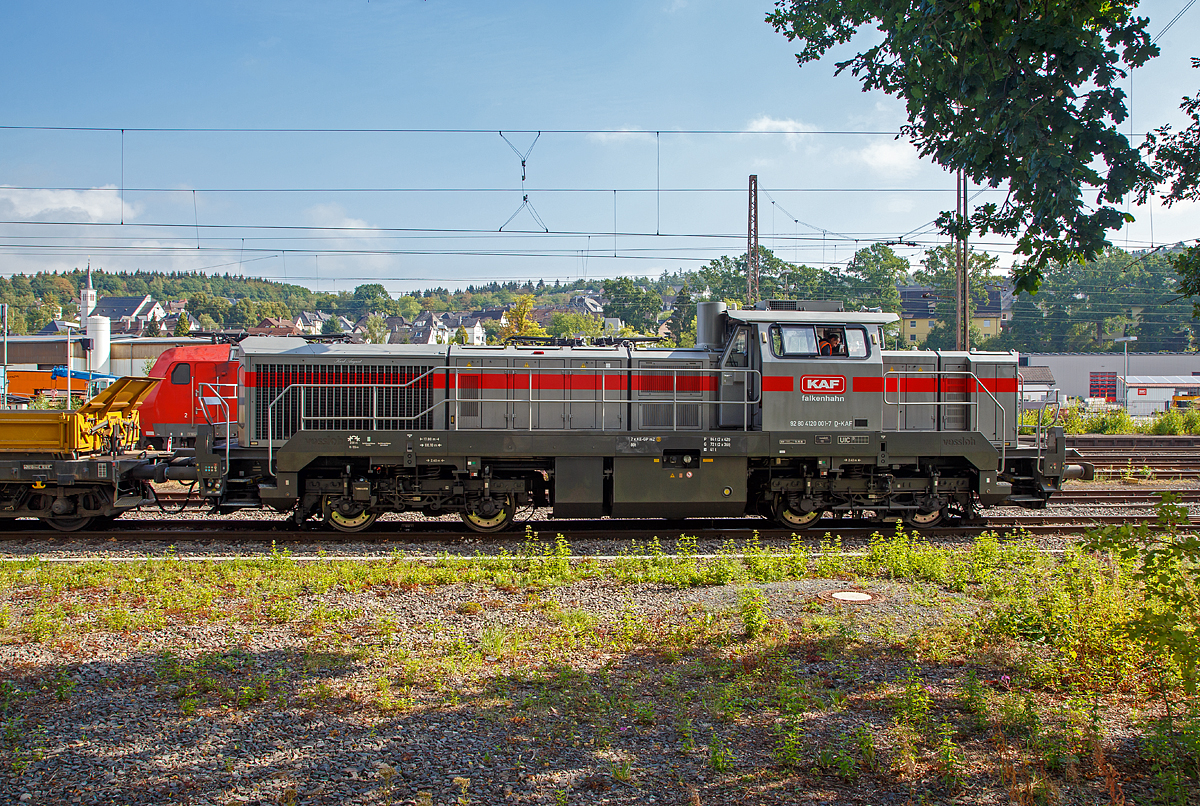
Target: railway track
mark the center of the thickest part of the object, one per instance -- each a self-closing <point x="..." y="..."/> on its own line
<point x="1140" y="454"/>
<point x="174" y="502"/>
<point x="1130" y="498"/>
<point x="284" y="531"/>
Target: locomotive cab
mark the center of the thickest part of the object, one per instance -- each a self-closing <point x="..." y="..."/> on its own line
<point x="199" y="387"/>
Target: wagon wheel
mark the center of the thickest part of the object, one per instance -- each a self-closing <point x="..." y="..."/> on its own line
<point x="793" y="519"/>
<point x="924" y="520"/>
<point x="347" y="516"/>
<point x="68" y="524"/>
<point x="492" y="514"/>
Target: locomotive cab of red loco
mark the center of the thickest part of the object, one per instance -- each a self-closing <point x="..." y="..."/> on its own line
<point x="792" y="410"/>
<point x="199" y="388"/>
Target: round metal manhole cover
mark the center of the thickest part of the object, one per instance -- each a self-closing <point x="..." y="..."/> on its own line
<point x="851" y="596"/>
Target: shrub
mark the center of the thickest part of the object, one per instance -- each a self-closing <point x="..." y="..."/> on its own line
<point x="1165" y="564"/>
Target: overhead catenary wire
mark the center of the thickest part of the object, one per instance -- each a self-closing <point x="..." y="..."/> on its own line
<point x="1174" y="20"/>
<point x="525" y="203"/>
<point x="110" y="189"/>
<point x="212" y="232"/>
<point x="333" y="130"/>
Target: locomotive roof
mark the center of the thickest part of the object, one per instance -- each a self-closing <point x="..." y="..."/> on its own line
<point x="815" y="317"/>
<point x="291" y="345"/>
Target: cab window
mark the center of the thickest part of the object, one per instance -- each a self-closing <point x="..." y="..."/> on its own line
<point x="788" y="341"/>
<point x="801" y="341"/>
<point x="832" y="341"/>
<point x="739" y="351"/>
<point x="856" y="342"/>
<point x="181" y="374"/>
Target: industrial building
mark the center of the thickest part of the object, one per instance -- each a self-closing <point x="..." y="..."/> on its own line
<point x="1097" y="375"/>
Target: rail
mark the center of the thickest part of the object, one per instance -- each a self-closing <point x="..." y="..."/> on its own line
<point x="367" y="398"/>
<point x="939" y="374"/>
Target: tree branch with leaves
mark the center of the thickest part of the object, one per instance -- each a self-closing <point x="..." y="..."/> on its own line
<point x="1177" y="160"/>
<point x="1016" y="94"/>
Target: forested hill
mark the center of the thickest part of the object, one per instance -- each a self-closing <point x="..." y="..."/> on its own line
<point x="238" y="301"/>
<point x="1080" y="307"/>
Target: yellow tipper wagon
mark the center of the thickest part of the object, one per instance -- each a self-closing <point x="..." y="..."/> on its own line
<point x="70" y="467"/>
<point x="108" y="423"/>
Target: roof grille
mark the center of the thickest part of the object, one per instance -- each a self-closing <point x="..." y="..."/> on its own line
<point x="824" y="305"/>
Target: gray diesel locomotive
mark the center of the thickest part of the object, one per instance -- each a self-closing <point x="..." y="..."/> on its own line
<point x="789" y="411"/>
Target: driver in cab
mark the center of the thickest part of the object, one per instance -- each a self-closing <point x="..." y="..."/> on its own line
<point x="832" y="343"/>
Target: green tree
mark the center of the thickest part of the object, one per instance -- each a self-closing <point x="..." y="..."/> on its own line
<point x="682" y="313"/>
<point x="408" y="306"/>
<point x="1177" y="159"/>
<point x="275" y="309"/>
<point x="331" y="327"/>
<point x="725" y="279"/>
<point x="633" y="304"/>
<point x="375" y="330"/>
<point x="871" y="275"/>
<point x="1026" y="326"/>
<point x="204" y="304"/>
<point x="491" y="330"/>
<point x="1024" y="95"/>
<point x="244" y="315"/>
<point x="372" y="297"/>
<point x="939" y="271"/>
<point x="16" y="322"/>
<point x="153" y="327"/>
<point x="38" y="316"/>
<point x="461" y="336"/>
<point x="182" y="326"/>
<point x="207" y="322"/>
<point x="571" y="324"/>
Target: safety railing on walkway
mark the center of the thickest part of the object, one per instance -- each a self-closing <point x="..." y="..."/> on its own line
<point x="223" y="397"/>
<point x="942" y="388"/>
<point x="375" y="407"/>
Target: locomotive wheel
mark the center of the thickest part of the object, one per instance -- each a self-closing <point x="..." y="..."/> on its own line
<point x="346" y="517"/>
<point x="925" y="520"/>
<point x="489" y="514"/>
<point x="794" y="520"/>
<point x="69" y="524"/>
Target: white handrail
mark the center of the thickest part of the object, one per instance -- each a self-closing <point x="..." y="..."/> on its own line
<point x="455" y="397"/>
<point x="938" y="374"/>
<point x="223" y="402"/>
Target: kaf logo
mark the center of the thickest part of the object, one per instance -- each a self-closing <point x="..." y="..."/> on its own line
<point x="823" y="384"/>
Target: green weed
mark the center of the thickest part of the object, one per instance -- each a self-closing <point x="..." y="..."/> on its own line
<point x="752" y="606"/>
<point x="789" y="745"/>
<point x="720" y="758"/>
<point x="950" y="759"/>
<point x="974" y="699"/>
<point x="912" y="703"/>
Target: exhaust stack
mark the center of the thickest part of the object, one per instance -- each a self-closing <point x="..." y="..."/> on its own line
<point x="710" y="325"/>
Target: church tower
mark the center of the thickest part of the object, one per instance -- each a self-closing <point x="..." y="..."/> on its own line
<point x="87" y="297"/>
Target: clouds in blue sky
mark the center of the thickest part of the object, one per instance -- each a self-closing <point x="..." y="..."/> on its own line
<point x="615" y="88"/>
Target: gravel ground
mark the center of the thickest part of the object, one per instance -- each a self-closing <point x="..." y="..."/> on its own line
<point x="120" y="736"/>
<point x="290" y="711"/>
<point x="100" y="721"/>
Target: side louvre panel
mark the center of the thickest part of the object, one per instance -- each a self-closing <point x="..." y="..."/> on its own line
<point x="334" y="397"/>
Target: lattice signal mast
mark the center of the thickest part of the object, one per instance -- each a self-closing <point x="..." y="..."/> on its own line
<point x="752" y="245"/>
